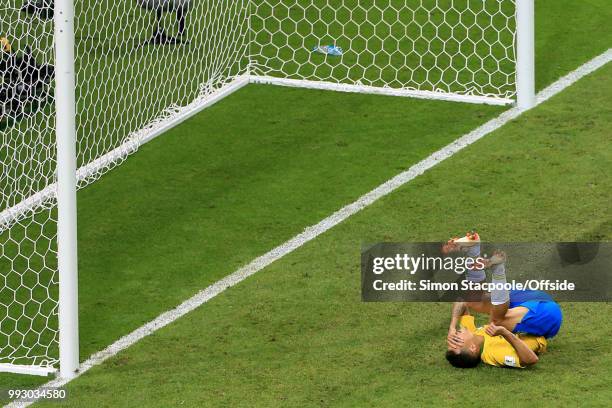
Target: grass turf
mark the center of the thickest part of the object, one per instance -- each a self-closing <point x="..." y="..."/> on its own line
<point x="327" y="172"/>
<point x="297" y="334"/>
<point x="216" y="193"/>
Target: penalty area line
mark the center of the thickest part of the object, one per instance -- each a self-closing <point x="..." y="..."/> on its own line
<point x="314" y="231"/>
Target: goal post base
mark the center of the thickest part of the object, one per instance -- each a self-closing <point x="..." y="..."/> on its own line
<point x="355" y="88"/>
<point x="27" y="369"/>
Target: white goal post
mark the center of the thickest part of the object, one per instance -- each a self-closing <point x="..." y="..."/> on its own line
<point x="65" y="105"/>
<point x="525" y="63"/>
<point x="81" y="91"/>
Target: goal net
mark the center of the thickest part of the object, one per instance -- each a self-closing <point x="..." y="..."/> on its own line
<point x="142" y="66"/>
<point x="444" y="49"/>
<point x="136" y="76"/>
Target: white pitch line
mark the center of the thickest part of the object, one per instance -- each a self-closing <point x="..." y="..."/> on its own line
<point x="314" y="231"/>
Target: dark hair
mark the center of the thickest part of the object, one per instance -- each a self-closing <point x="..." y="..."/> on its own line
<point x="463" y="359"/>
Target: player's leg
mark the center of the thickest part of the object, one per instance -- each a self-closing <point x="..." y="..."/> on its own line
<point x="470" y="245"/>
<point x="542" y="316"/>
<point x="483" y="307"/>
<point x="476" y="300"/>
<point x="500" y="295"/>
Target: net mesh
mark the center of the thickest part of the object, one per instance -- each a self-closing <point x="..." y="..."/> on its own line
<point x="28" y="249"/>
<point x="143" y="64"/>
<point x="461" y="47"/>
<point x="137" y="70"/>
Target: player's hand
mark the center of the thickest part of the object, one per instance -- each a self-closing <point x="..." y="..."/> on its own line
<point x="453" y="340"/>
<point x="493" y="330"/>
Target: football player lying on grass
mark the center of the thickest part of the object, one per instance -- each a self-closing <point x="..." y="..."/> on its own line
<point x="520" y="323"/>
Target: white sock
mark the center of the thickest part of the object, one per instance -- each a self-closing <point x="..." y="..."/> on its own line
<point x="473" y="251"/>
<point x="499" y="296"/>
<point x="475" y="275"/>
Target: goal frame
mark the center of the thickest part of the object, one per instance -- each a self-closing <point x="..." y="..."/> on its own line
<point x="68" y="176"/>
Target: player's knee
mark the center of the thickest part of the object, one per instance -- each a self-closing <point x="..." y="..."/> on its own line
<point x="498" y="321"/>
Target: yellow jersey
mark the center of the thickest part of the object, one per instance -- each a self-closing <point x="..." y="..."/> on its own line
<point x="497" y="351"/>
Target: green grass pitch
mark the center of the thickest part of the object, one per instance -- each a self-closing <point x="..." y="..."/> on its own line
<point x="298" y="335"/>
<point x="254" y="170"/>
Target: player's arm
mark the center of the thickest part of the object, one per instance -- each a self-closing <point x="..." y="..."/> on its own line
<point x="463" y="308"/>
<point x="452" y="340"/>
<point x="526" y="355"/>
<point x="459" y="309"/>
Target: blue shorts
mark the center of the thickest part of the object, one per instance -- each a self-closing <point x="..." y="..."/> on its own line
<point x="544" y="317"/>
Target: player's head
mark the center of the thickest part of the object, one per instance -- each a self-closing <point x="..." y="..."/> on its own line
<point x="468" y="355"/>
